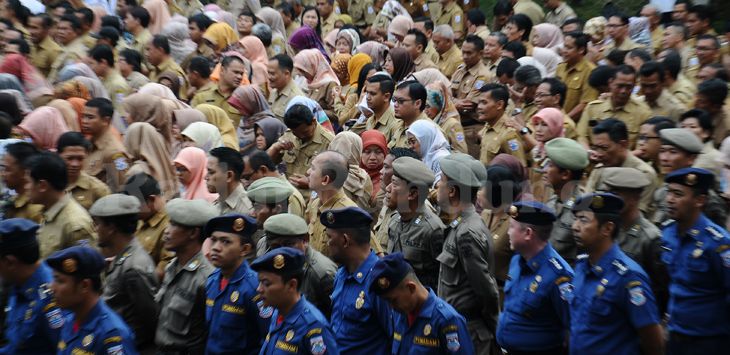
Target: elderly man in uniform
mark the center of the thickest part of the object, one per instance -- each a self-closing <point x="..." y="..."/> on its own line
<point x="300" y="328"/>
<point x="496" y="136"/>
<point x="697" y="255"/>
<point x="231" y="298"/>
<point x="225" y="167"/>
<point x="449" y="53"/>
<point x="181" y="325"/>
<point x="93" y="327"/>
<point x="466" y="278"/>
<point x="538" y="320"/>
<point x="32" y="318"/>
<point x="612" y="307"/>
<point x="414" y="229"/>
<point x="492" y="53"/>
<point x="423" y="323"/>
<point x="283" y="88"/>
<point x="130" y="282"/>
<point x="108" y="158"/>
<point x="361" y="321"/>
<point x="288" y="230"/>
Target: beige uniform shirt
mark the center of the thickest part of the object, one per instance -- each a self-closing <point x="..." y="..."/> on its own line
<point x="465" y="85"/>
<point x="626" y="45"/>
<point x="561" y="13"/>
<point x="139" y="42"/>
<point x="707" y="159"/>
<point x="237" y="202"/>
<point x="492" y="66"/>
<point x="328" y="24"/>
<point x="298" y="158"/>
<point x="421" y="240"/>
<point x="531" y="9"/>
<point x="386" y="124"/>
<point x="43" y="55"/>
<point x="213" y="96"/>
<point x="666" y="105"/>
<point x="108" y="161"/>
<point x="71" y="53"/>
<point x="451" y="15"/>
<point x="87" y="190"/>
<point x="169" y="65"/>
<point x="346" y="105"/>
<point x="325" y="98"/>
<point x="634" y="113"/>
<point x="149" y="233"/>
<point x="454" y="133"/>
<point x="400" y="138"/>
<point x="721" y="122"/>
<point x="595" y="180"/>
<point x="450" y="61"/>
<point x="576" y="80"/>
<point x="498" y="224"/>
<point x="683" y="90"/>
<point x="65" y="224"/>
<point x="424" y="62"/>
<point x="118" y="89"/>
<point x="499" y="139"/>
<point x="641" y="241"/>
<point x="431" y="52"/>
<point x="279" y="99"/>
<point x="317" y="237"/>
<point x="361" y="11"/>
<point x="20" y="207"/>
<point x="482" y="32"/>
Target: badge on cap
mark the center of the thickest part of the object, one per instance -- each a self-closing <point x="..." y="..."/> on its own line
<point x="383" y="282"/>
<point x="238" y="224"/>
<point x="278" y="261"/>
<point x="597" y="202"/>
<point x="427" y="329"/>
<point x="330" y="217"/>
<point x="289" y="335"/>
<point x="691" y="180"/>
<point x="234" y="296"/>
<point x="87" y="340"/>
<point x="69" y="266"/>
<point x="513" y="212"/>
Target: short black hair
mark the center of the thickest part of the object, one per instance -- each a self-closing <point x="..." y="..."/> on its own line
<point x="517" y="48"/>
<point x="573" y="20"/>
<point x="141" y="14"/>
<point x="259" y="158"/>
<point x="427" y="22"/>
<point x="46" y="20"/>
<point x="623" y="69"/>
<point x="581" y="40"/>
<point x="248" y="13"/>
<point x="102" y="52"/>
<point x="201" y="20"/>
<point x="616" y="56"/>
<point x="133" y="58"/>
<point x="507" y="66"/>
<point x="21" y="151"/>
<point x="498" y="92"/>
<point x="528" y="75"/>
<point x="399" y="152"/>
<point x="298" y="115"/>
<point x="416" y="91"/>
<point x="227" y="60"/>
<point x="502" y="8"/>
<point x="363" y="75"/>
<point x="125" y="223"/>
<point x="9" y="105"/>
<point x="603" y="218"/>
<point x="21" y="12"/>
<point x="703" y="118"/>
<point x="73" y="20"/>
<point x="200" y="65"/>
<point x="111" y="21"/>
<point x="623" y="18"/>
<point x="703" y="12"/>
<point x="616" y="129"/>
<point x="652" y="67"/>
<point x="72" y="139"/>
<point x="23" y="46"/>
<point x="387" y="85"/>
<point x="523" y="23"/>
<point x="476" y="17"/>
<point x="477" y="41"/>
<point x="6" y="125"/>
<point x="27" y="253"/>
<point x="660" y="123"/>
<point x="360" y="235"/>
<point x="50" y="167"/>
<point x="142" y="186"/>
<point x="709" y="37"/>
<point x="161" y="42"/>
<point x="420" y="38"/>
<point x="639" y="53"/>
<point x="319" y="18"/>
<point x="287" y="9"/>
<point x="557" y="87"/>
<point x="284" y="62"/>
<point x="600" y="76"/>
<point x="105" y="106"/>
<point x="715" y="90"/>
<point x="229" y="159"/>
<point x="672" y="63"/>
<point x="87" y="15"/>
<point x="110" y="33"/>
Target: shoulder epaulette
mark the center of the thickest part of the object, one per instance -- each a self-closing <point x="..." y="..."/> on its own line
<point x="667" y="223"/>
<point x="620" y="267"/>
<point x="581" y="257"/>
<point x="716" y="235"/>
<point x="556" y="264"/>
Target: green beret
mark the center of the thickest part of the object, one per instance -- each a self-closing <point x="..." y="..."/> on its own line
<point x="459" y="172"/>
<point x="115" y="205"/>
<point x="476" y="166"/>
<point x="191" y="213"/>
<point x="682" y="138"/>
<point x="567" y="153"/>
<point x="413" y="171"/>
<point x="269" y="190"/>
<point x="627" y="178"/>
<point x="286" y="224"/>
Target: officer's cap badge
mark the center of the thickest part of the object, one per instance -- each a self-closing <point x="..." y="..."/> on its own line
<point x="69" y="266"/>
<point x="597" y="202"/>
<point x="238" y="224"/>
<point x="691" y="179"/>
<point x="87" y="340"/>
<point x="279" y="261"/>
<point x="330" y="217"/>
<point x="513" y="211"/>
<point x="383" y="282"/>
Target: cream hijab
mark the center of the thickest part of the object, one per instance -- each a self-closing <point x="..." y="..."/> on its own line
<point x="150" y="154"/>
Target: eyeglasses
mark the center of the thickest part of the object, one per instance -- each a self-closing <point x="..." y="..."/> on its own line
<point x="644" y="137"/>
<point x="399" y="102"/>
<point x="245" y="176"/>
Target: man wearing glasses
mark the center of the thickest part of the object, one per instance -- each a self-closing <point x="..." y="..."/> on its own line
<point x="618" y="30"/>
<point x="409" y="101"/>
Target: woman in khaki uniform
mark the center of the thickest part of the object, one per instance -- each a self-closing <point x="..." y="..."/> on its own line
<point x="321" y="79"/>
<point x="345" y="103"/>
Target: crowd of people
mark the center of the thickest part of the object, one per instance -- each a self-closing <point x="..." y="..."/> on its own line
<point x="363" y="177"/>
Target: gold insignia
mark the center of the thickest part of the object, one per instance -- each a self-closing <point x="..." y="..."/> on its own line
<point x="697" y="253"/>
<point x="87" y="340"/>
<point x="330" y="217"/>
<point x="538" y="278"/>
<point x="691" y="179"/>
<point x="238" y="224"/>
<point x="599" y="290"/>
<point x="289" y="335"/>
<point x="234" y="296"/>
<point x="69" y="266"/>
<point x="383" y="282"/>
<point x="427" y="329"/>
<point x="597" y="202"/>
<point x="278" y="261"/>
<point x="604" y="282"/>
<point x="359" y="302"/>
<point x="513" y="211"/>
<point x="533" y="286"/>
<point x="359" y="275"/>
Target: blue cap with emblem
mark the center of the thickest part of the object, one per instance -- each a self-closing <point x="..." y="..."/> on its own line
<point x="695" y="178"/>
<point x="603" y="202"/>
<point x="81" y="261"/>
<point x="16" y="233"/>
<point x="282" y="261"/>
<point x="343" y="218"/>
<point x="244" y="226"/>
<point x="532" y="212"/>
<point x="388" y="272"/>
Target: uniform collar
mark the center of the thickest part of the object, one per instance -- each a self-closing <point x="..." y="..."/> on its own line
<point x="235" y="195"/>
<point x="327" y="205"/>
<point x="54" y="210"/>
<point x="83" y="182"/>
<point x="239" y="273"/>
<point x="104" y="139"/>
<point x="361" y="274"/>
<point x="167" y="63"/>
<point x="451" y="50"/>
<point x="605" y="262"/>
<point x="536" y="262"/>
<point x="92" y="318"/>
<point x="387" y="116"/>
<point x="153" y="221"/>
<point x="286" y="91"/>
<point x="698" y="227"/>
<point x="635" y="226"/>
<point x="47" y="43"/>
<point x="474" y="70"/>
<point x="427" y="307"/>
<point x="194" y="263"/>
<point x="498" y="124"/>
<point x="29" y="288"/>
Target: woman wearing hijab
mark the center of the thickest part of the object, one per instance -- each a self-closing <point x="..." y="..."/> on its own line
<point x="268" y="131"/>
<point x="339" y="66"/>
<point x="375" y="50"/>
<point x="203" y="135"/>
<point x="548" y="124"/>
<point x="35" y="85"/>
<point x="253" y="49"/>
<point x="330" y="42"/>
<point x="425" y="138"/>
<point x="442" y="111"/>
<point x="390" y="10"/>
<point x="44" y="125"/>
<point x="358" y="186"/>
<point x="547" y="35"/>
<point x="159" y="15"/>
<point x="306" y="38"/>
<point x="73" y="70"/>
<point x="398" y="64"/>
<point x="375" y="148"/>
<point x="70" y="117"/>
<point x="547" y="61"/>
<point x="252" y="105"/>
<point x="11" y="85"/>
<point x="163" y="92"/>
<point x="347" y="41"/>
<point x="181" y="119"/>
<point x="150" y="109"/>
<point x="398" y="29"/>
<point x="346" y="102"/>
<point x="218" y="118"/>
<point x="321" y="79"/>
<point x="149" y="154"/>
<point x="179" y="38"/>
<point x="273" y="18"/>
<point x="219" y="37"/>
<point x="191" y="165"/>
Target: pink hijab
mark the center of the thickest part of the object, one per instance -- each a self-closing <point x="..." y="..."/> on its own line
<point x="400" y="25"/>
<point x="159" y="15"/>
<point x="548" y="36"/>
<point x="253" y="49"/>
<point x="195" y="160"/>
<point x="554" y="120"/>
<point x="44" y="124"/>
<point x="313" y="63"/>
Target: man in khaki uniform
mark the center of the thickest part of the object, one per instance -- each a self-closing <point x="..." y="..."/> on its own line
<point x="529" y="8"/>
<point x="65" y="222"/>
<point x="492" y="54"/>
<point x="259" y="165"/>
<point x="44" y="49"/>
<point x="68" y="32"/>
<point x="451" y="15"/>
<point x="152" y="216"/>
<point x="225" y="167"/>
<point x="362" y="12"/>
<point x="108" y="160"/>
<point x="136" y="22"/>
<point x="574" y="71"/>
<point x="85" y="189"/>
<point x="379" y="89"/>
<point x="327" y="15"/>
<point x="465" y="85"/>
<point x="449" y="53"/>
<point x="232" y="72"/>
<point x="425" y="25"/>
<point x="183" y="285"/>
<point x="409" y="101"/>
<point x="657" y="30"/>
<point x="675" y="82"/>
<point x="711" y="96"/>
<point x="609" y="141"/>
<point x="559" y="11"/>
<point x="618" y="29"/>
<point x="621" y="105"/>
<point x="496" y="137"/>
<point x="476" y="24"/>
<point x="158" y="56"/>
<point x="14" y="177"/>
<point x="101" y="59"/>
<point x="282" y="86"/>
<point x="415" y="42"/>
<point x="659" y="100"/>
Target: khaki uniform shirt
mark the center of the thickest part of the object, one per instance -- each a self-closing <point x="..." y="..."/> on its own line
<point x="683" y="90"/>
<point x="423" y="62"/>
<point x="346" y="109"/>
<point x="200" y="50"/>
<point x="169" y="65"/>
<point x="721" y="124"/>
<point x="656" y="39"/>
<point x="531" y="9"/>
<point x="666" y="105"/>
<point x="136" y="80"/>
<point x="498" y="225"/>
<point x="317" y="237"/>
<point x="492" y="66"/>
<point x="293" y="26"/>
<point x="65" y="224"/>
<point x="707" y="159"/>
<point x="325" y="98"/>
<point x="386" y="124"/>
<point x="108" y="161"/>
<point x="139" y="42"/>
<point x="501" y="139"/>
<point x="319" y="280"/>
<point x="576" y="80"/>
<point x="89" y="41"/>
<point x="20" y="207"/>
<point x="626" y="45"/>
<point x="416" y="8"/>
<point x="181" y="300"/>
<point x="454" y="133"/>
<point x="74" y="51"/>
<point x="482" y="32"/>
<point x="361" y="11"/>
<point x="432" y="54"/>
<point x="236" y="202"/>
<point x="451" y="15"/>
<point x="328" y="24"/>
<point x="641" y="241"/>
<point x="400" y="138"/>
<point x="561" y="13"/>
<point x="118" y="89"/>
<point x="561" y="237"/>
<point x="595" y="180"/>
<point x="279" y="99"/>
<point x="87" y="190"/>
<point x="298" y="158"/>
<point x="465" y="85"/>
<point x="129" y="289"/>
<point x="421" y="240"/>
<point x="149" y="233"/>
<point x="44" y="54"/>
<point x="212" y="95"/>
<point x="450" y="61"/>
<point x="633" y="114"/>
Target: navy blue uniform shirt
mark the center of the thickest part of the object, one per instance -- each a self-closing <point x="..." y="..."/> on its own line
<point x="303" y="331"/>
<point x="103" y="332"/>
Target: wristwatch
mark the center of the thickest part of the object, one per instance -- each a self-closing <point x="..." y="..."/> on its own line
<point x="525" y="131"/>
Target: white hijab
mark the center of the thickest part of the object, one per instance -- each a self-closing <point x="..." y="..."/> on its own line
<point x="434" y="145"/>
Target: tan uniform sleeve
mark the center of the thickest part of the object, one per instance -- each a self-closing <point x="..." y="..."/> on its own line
<point x="512" y="144"/>
<point x="346" y="110"/>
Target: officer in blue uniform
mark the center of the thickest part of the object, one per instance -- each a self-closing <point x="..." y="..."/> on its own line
<point x="362" y="321"/>
<point x="536" y="315"/>
<point x="92" y="327"/>
<point x="298" y="326"/>
<point x="697" y="254"/>
<point x="236" y="322"/>
<point x="613" y="310"/>
<point x="32" y="320"/>
<point x="423" y="323"/>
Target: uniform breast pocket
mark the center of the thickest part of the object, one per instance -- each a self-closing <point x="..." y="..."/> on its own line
<point x="449" y="271"/>
<point x="599" y="309"/>
<point x="530" y="303"/>
<point x="355" y="314"/>
<point x="700" y="264"/>
<point x="575" y="83"/>
<point x="179" y="311"/>
<point x="289" y="157"/>
<point x="415" y="253"/>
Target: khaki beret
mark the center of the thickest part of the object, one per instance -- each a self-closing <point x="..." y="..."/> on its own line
<point x="269" y="190"/>
<point x="191" y="213"/>
<point x="567" y="153"/>
<point x="286" y="224"/>
<point x="459" y="172"/>
<point x="476" y="166"/>
<point x="627" y="178"/>
<point x="682" y="138"/>
<point x="413" y="171"/>
<point x="115" y="205"/>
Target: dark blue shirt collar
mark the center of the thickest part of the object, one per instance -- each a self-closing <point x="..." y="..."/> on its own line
<point x="427" y="307"/>
<point x="361" y="274"/>
<point x="536" y="262"/>
<point x="605" y="262"/>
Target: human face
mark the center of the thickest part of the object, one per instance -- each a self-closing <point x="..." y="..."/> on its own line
<point x="552" y="175"/>
<point x="681" y="202"/>
<point x="680" y="12"/>
<point x="571" y="53"/>
<point x="226" y="249"/>
<point x="305" y="132"/>
<point x="272" y="289"/>
<point x="706" y="73"/>
<point x="233" y="74"/>
<point x="702" y="102"/>
<point x="470" y="54"/>
<point x="405" y="107"/>
<point x="512" y="32"/>
<point x="542" y="132"/>
<point x="217" y="178"/>
<point x="671" y="38"/>
<point x="706" y="51"/>
<point x="12" y="173"/>
<point x="261" y="212"/>
<point x="183" y="174"/>
<point x="492" y="49"/>
<point x="65" y="32"/>
<point x="372" y="157"/>
<point x="585" y="229"/>
<point x="652" y="87"/>
<point x="196" y="35"/>
<point x="648" y="143"/>
<point x="441" y="43"/>
<point x="414" y="144"/>
<point x="315" y="173"/>
<point x="99" y="68"/>
<point x="401" y="299"/>
<point x="244" y="24"/>
<point x="692" y="124"/>
<point x="443" y="192"/>
<point x="517" y="235"/>
<point x="387" y="171"/>
<point x="277" y="78"/>
<point x="388" y="66"/>
<point x="672" y="158"/>
<point x="616" y="29"/>
<point x="176" y="236"/>
<point x="92" y="123"/>
<point x="325" y="7"/>
<point x="105" y="232"/>
<point x="249" y="175"/>
<point x="131" y="23"/>
<point x="544" y="99"/>
<point x="66" y="290"/>
<point x="571" y="27"/>
<point x="310" y="19"/>
<point x="74" y="157"/>
<point x="607" y="151"/>
<point x="397" y="193"/>
<point x="36" y="30"/>
<point x="260" y="139"/>
<point x="375" y="99"/>
<point x="694" y="25"/>
<point x="488" y="109"/>
<point x="154" y="55"/>
<point x="343" y="46"/>
<point x="124" y="68"/>
<point x="621" y="88"/>
<point x="409" y="44"/>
